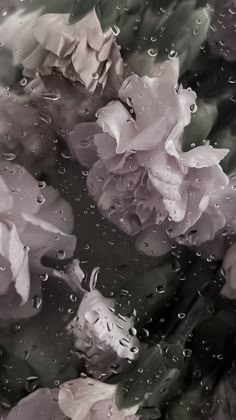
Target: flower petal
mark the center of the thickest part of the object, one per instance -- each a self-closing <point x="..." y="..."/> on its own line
<point x="77" y="397"/>
<point x="41" y="404"/>
<point x="203" y="156"/>
<point x="12" y="249"/>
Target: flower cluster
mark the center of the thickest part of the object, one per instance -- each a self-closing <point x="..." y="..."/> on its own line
<point x="153" y="133"/>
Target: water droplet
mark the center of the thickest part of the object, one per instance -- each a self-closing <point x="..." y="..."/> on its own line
<point x="9" y="156"/>
<point x="23" y="81"/>
<point x="73" y="297"/>
<point x="124" y="342"/>
<point x="61" y="254"/>
<point x="61" y="170"/>
<point x="134" y="350"/>
<point x="36" y="302"/>
<point x="95" y="76"/>
<point x="172" y="54"/>
<point x="187" y="353"/>
<point x="161" y="289"/>
<point x="42" y="184"/>
<point x="51" y="95"/>
<point x="115" y="30"/>
<point x="66" y="155"/>
<point x="45" y="118"/>
<point x="153" y="52"/>
<point x="40" y="199"/>
<point x="44" y="277"/>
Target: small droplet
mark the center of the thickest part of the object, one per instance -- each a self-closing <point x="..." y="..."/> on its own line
<point x="44" y="277"/>
<point x="42" y="184"/>
<point x="73" y="297"/>
<point x="36" y="302"/>
<point x="61" y="254"/>
<point x="23" y="81"/>
<point x="124" y="342"/>
<point x="45" y="118"/>
<point x="51" y="95"/>
<point x="160" y="289"/>
<point x="9" y="156"/>
<point x="187" y="353"/>
<point x="95" y="76"/>
<point x="115" y="30"/>
<point x="153" y="52"/>
<point x="40" y="199"/>
<point x="172" y="54"/>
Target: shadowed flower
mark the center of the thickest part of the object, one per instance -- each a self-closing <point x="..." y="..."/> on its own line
<point x="81" y="52"/>
<point x="42" y="404"/>
<point x="35" y="222"/>
<point x="103" y="338"/>
<point x="140" y="177"/>
<point x="229" y="265"/>
<point x="23" y="129"/>
<point x="88" y="399"/>
<point x="222" y="33"/>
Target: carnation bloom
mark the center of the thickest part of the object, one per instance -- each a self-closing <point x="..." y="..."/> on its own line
<point x="222" y="34"/>
<point x="35" y="222"/>
<point x="140" y="177"/>
<point x="103" y="338"/>
<point x="88" y="399"/>
<point x="81" y="51"/>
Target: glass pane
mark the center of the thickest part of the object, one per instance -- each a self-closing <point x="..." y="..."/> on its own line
<point x="117" y="209"/>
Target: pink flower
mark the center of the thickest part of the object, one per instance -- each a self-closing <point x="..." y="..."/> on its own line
<point x="139" y="176"/>
<point x="88" y="399"/>
<point x="35" y="222"/>
<point x="103" y="338"/>
<point x="81" y="52"/>
<point x="42" y="404"/>
<point x="222" y="34"/>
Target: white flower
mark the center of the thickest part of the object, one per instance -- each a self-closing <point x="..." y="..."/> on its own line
<point x="34" y="222"/>
<point x="102" y="337"/>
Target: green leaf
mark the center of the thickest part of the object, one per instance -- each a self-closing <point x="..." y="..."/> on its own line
<point x="185" y="32"/>
<point x="51" y="6"/>
<point x="17" y="378"/>
<point x="107" y="11"/>
<point x="226" y="138"/>
<point x="140" y="23"/>
<point x="146" y="295"/>
<point x="152" y="381"/>
<point x="80" y="8"/>
<point x="201" y="124"/>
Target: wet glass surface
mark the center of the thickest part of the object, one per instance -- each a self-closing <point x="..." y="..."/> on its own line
<point x="117" y="209"/>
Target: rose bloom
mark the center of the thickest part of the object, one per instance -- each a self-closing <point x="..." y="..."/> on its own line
<point x="139" y="175"/>
<point x="222" y="34"/>
<point x="101" y="336"/>
<point x="35" y="223"/>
